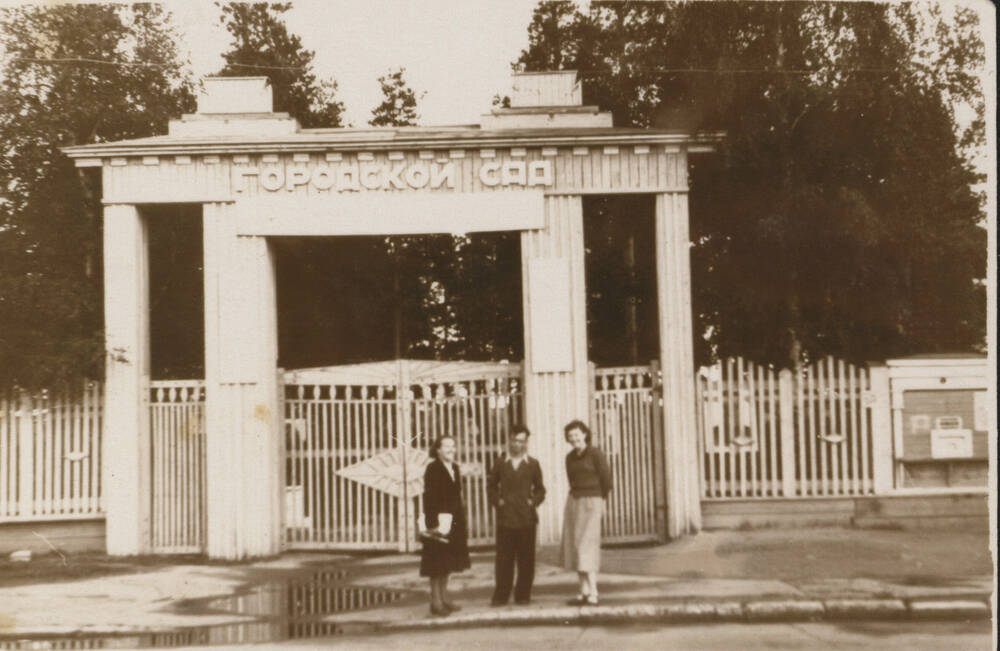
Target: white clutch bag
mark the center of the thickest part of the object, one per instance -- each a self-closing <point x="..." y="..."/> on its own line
<point x="444" y="524"/>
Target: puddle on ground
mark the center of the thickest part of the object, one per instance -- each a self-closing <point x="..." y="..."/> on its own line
<point x="930" y="580"/>
<point x="284" y="610"/>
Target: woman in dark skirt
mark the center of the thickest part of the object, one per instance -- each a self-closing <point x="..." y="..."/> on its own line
<point x="442" y="555"/>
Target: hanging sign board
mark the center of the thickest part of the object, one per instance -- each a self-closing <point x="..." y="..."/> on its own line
<point x="388" y="214"/>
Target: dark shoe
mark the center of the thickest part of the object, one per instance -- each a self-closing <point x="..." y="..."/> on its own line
<point x="522" y="602"/>
<point x="578" y="600"/>
<point x="451" y="606"/>
<point x="439" y="612"/>
<point x="496" y="604"/>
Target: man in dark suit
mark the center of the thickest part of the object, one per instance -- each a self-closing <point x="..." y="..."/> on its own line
<point x="515" y="489"/>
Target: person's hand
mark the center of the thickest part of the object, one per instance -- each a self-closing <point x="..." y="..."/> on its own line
<point x="500" y="502"/>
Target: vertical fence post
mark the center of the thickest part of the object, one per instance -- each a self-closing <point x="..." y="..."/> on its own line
<point x="407" y="528"/>
<point x="786" y="396"/>
<point x="659" y="483"/>
<point x="592" y="402"/>
<point x="25" y="456"/>
<point x="6" y="443"/>
<point x="881" y="431"/>
<point x="282" y="456"/>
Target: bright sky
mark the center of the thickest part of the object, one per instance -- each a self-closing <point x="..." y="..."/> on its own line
<point x="459" y="52"/>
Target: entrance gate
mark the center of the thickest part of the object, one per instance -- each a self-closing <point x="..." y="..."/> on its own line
<point x="356" y="441"/>
<point x="626" y="423"/>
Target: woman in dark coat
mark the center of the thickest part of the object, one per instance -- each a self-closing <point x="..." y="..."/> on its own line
<point x="442" y="555"/>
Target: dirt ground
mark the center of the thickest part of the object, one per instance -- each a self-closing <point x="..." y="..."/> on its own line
<point x="919" y="557"/>
<point x="814" y="553"/>
<point x="54" y="567"/>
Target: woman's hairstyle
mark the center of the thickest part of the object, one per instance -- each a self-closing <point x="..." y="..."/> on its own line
<point x="577" y="424"/>
<point x="436" y="445"/>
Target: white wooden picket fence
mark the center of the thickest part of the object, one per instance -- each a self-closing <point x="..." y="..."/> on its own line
<point x="780" y="434"/>
<point x="763" y="433"/>
<point x="50" y="455"/>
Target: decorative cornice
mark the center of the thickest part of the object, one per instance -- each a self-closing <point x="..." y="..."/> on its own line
<point x="705" y="141"/>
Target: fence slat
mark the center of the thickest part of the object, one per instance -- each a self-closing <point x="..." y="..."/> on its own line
<point x="5" y="446"/>
<point x="753" y="446"/>
<point x="772" y="433"/>
<point x="842" y="433"/>
<point x="865" y="417"/>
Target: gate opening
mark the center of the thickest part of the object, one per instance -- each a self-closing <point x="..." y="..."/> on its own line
<point x="619" y="238"/>
<point x="390" y="343"/>
<point x="345" y="300"/>
<point x="177" y="368"/>
<point x="623" y="349"/>
<point x="176" y="291"/>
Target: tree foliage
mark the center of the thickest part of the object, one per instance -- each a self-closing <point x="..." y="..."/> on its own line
<point x="262" y="45"/>
<point x="73" y="75"/>
<point x="455" y="296"/>
<point x="398" y="107"/>
<point x="840" y="215"/>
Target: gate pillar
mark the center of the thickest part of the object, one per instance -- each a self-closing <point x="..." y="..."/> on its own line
<point x="244" y="474"/>
<point x="126" y="460"/>
<point x="673" y="285"/>
<point x="555" y="345"/>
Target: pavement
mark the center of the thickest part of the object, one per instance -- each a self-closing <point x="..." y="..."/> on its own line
<point x="721" y="576"/>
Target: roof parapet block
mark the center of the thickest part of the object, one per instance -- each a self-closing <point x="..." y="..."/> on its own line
<point x="234" y="106"/>
<point x="552" y="99"/>
<point x="235" y="95"/>
<point x="550" y="88"/>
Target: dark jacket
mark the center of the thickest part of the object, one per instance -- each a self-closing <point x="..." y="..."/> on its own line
<point x="588" y="473"/>
<point x="442" y="494"/>
<point x="515" y="493"/>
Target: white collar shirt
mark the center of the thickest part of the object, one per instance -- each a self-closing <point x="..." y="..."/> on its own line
<point x="450" y="469"/>
<point x="518" y="461"/>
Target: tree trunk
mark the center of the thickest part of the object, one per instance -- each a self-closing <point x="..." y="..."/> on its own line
<point x="397" y="308"/>
<point x="794" y="343"/>
<point x="631" y="310"/>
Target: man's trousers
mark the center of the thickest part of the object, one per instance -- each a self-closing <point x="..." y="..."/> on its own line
<point x="515" y="546"/>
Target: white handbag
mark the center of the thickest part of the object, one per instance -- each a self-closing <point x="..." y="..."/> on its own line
<point x="443" y="528"/>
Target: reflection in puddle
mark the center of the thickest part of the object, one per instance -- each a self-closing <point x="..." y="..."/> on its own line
<point x="288" y="610"/>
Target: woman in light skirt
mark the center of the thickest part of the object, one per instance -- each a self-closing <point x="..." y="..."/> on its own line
<point x="589" y="483"/>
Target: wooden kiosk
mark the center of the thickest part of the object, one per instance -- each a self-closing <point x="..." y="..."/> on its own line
<point x="258" y="176"/>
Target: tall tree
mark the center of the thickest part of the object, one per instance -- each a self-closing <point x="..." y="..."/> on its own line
<point x="407" y="259"/>
<point x="840" y="215"/>
<point x="262" y="45"/>
<point x="457" y="296"/>
<point x="72" y="75"/>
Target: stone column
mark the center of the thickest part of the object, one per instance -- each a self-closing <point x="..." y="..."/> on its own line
<point x="673" y="281"/>
<point x="126" y="448"/>
<point x="245" y="478"/>
<point x="555" y="346"/>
